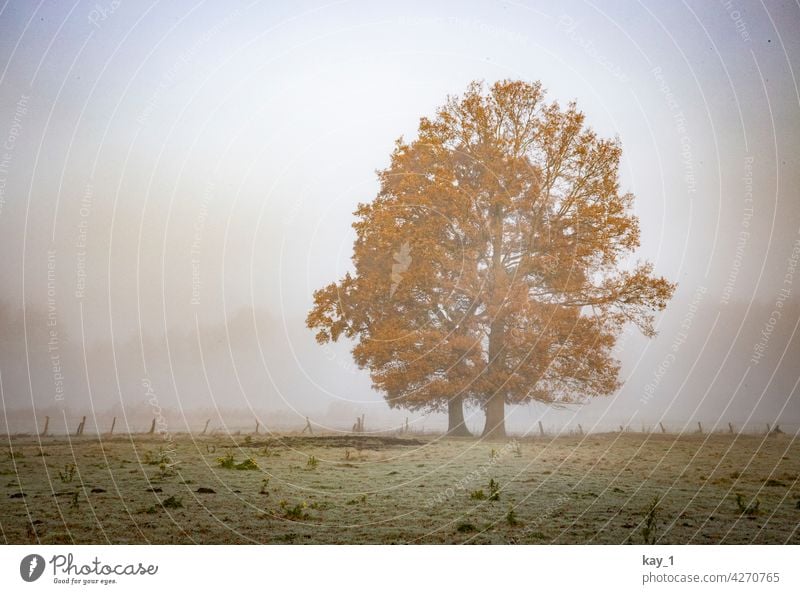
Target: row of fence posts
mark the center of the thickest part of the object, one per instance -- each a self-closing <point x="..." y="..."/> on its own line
<point x="359" y="427"/>
<point x="623" y="429"/>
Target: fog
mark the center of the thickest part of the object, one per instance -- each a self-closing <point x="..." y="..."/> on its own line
<point x="176" y="180"/>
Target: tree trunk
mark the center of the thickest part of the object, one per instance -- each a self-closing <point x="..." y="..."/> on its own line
<point x="455" y="418"/>
<point x="495" y="409"/>
<point x="495" y="406"/>
<point x="498" y="287"/>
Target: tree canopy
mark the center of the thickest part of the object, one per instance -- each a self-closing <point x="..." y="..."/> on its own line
<point x="493" y="265"/>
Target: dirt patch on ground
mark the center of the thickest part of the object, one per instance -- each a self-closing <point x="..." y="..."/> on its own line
<point x="365" y="442"/>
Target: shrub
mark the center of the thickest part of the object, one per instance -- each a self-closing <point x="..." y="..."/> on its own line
<point x="172" y="502"/>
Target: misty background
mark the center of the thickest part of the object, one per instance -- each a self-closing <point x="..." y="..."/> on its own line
<point x="177" y="179"/>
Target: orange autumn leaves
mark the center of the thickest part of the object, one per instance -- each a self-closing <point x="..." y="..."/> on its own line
<point x="488" y="267"/>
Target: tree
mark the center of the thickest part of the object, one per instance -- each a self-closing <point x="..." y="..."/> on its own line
<point x="507" y="236"/>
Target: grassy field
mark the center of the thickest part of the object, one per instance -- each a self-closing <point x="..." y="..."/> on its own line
<point x="609" y="488"/>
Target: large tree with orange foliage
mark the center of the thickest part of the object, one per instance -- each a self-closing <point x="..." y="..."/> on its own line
<point x="489" y="268"/>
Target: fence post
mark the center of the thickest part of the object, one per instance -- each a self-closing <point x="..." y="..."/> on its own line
<point x="541" y="429"/>
<point x="730" y="427"/>
<point x="580" y="429"/>
<point x="113" y="422"/>
<point x="152" y="427"/>
<point x="206" y="427"/>
<point x="699" y="427"/>
<point x="46" y="425"/>
<point x="79" y="432"/>
<point x="256" y="426"/>
<point x="660" y="424"/>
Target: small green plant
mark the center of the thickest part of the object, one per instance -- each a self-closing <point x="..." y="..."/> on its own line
<point x="165" y="470"/>
<point x="156" y="457"/>
<point x="357" y="500"/>
<point x="296" y="512"/>
<point x="226" y="461"/>
<point x="466" y="527"/>
<point x="74" y="502"/>
<point x="493" y="455"/>
<point x="511" y="517"/>
<point x="747" y="509"/>
<point x="229" y="462"/>
<point x="650" y="523"/>
<point x="248" y="464"/>
<point x="312" y="463"/>
<point x="68" y="474"/>
<point x="478" y="494"/>
<point x="172" y="502"/>
<point x="264" y="483"/>
<point x="494" y="490"/>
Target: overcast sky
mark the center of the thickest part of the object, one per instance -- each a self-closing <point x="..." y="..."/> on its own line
<point x="177" y="178"/>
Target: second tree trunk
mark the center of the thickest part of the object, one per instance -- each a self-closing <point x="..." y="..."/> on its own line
<point x="455" y="418"/>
